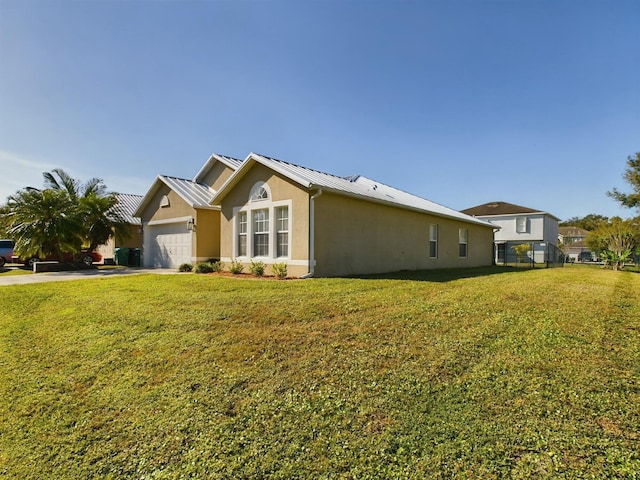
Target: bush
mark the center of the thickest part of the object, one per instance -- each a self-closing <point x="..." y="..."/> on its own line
<point x="185" y="267"/>
<point x="279" y="270"/>
<point x="236" y="266"/>
<point x="217" y="266"/>
<point x="204" y="267"/>
<point x="257" y="268"/>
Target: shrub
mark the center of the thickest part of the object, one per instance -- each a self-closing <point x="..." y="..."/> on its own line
<point x="217" y="266"/>
<point x="185" y="267"/>
<point x="236" y="266"/>
<point x="257" y="268"/>
<point x="279" y="270"/>
<point x="204" y="267"/>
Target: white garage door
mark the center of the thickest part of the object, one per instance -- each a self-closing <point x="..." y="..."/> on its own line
<point x="167" y="246"/>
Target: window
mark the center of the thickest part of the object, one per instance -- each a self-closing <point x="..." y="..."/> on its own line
<point x="282" y="226"/>
<point x="433" y="240"/>
<point x="521" y="225"/>
<point x="261" y="226"/>
<point x="259" y="192"/>
<point x="462" y="242"/>
<point x="261" y="233"/>
<point x="242" y="234"/>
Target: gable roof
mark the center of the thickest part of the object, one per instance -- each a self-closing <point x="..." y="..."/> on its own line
<point x="127" y="206"/>
<point x="354" y="186"/>
<point x="573" y="232"/>
<point x="196" y="195"/>
<point x="232" y="163"/>
<point x="501" y="208"/>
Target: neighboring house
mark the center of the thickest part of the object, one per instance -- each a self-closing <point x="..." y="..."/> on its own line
<point x="179" y="223"/>
<point x="520" y="225"/>
<point x="126" y="207"/>
<point x="263" y="209"/>
<point x="574" y="243"/>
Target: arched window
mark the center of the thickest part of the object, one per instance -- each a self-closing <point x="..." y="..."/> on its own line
<point x="260" y="191"/>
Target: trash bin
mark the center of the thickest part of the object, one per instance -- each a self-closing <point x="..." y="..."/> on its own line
<point x="134" y="257"/>
<point x="122" y="256"/>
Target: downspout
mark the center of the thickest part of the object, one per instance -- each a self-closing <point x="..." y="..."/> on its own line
<point x="312" y="231"/>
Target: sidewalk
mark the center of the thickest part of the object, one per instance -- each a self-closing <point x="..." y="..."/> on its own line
<point x="78" y="275"/>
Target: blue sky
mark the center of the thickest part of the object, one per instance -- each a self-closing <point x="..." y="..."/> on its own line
<point x="462" y="102"/>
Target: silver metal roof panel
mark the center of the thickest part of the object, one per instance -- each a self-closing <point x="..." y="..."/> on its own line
<point x="359" y="186"/>
<point x="127" y="206"/>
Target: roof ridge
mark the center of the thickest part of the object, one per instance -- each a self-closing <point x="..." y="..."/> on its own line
<point x="305" y="168"/>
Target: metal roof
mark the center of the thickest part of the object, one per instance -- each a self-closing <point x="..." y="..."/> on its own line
<point x="355" y="186"/>
<point x="197" y="195"/>
<point x="127" y="206"/>
<point x="231" y="162"/>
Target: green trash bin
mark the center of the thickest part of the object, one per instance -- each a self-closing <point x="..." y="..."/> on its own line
<point x="122" y="256"/>
<point x="134" y="257"/>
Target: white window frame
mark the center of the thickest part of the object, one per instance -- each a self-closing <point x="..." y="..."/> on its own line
<point x="521" y="225"/>
<point x="265" y="229"/>
<point x="463" y="239"/>
<point x="433" y="239"/>
<point x="240" y="233"/>
<point x="279" y="230"/>
<point x="259" y="202"/>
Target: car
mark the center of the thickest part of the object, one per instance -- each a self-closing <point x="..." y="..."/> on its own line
<point x="6" y="251"/>
<point x="86" y="257"/>
<point x="585" y="257"/>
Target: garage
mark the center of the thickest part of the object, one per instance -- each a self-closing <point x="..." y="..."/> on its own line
<point x="167" y="245"/>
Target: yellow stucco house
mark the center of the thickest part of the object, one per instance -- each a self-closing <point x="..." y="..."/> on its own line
<point x="318" y="224"/>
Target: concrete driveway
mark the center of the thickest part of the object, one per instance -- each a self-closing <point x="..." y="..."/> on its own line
<point x="78" y="275"/>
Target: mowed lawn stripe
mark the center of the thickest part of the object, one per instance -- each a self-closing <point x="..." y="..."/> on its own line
<point x="484" y="373"/>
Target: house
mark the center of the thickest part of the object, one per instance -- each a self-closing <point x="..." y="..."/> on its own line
<point x="126" y="208"/>
<point x="573" y="240"/>
<point x="264" y="209"/>
<point x="520" y="225"/>
<point x="180" y="225"/>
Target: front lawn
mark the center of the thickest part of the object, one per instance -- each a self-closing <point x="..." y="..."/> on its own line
<point x="486" y="373"/>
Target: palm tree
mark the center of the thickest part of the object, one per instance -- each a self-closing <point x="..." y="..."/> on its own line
<point x="102" y="219"/>
<point x="43" y="222"/>
<point x="96" y="206"/>
<point x="58" y="179"/>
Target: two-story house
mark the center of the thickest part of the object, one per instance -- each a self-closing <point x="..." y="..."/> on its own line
<point x="520" y="225"/>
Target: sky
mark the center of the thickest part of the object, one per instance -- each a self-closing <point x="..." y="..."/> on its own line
<point x="462" y="102"/>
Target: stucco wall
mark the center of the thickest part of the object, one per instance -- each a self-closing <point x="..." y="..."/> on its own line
<point x="218" y="174"/>
<point x="207" y="235"/>
<point x="177" y="206"/>
<point x="281" y="189"/>
<point x="358" y="237"/>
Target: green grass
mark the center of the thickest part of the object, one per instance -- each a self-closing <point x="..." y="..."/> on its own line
<point x="486" y="373"/>
<point x="7" y="272"/>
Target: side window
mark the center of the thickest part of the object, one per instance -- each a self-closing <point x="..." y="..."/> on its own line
<point x="433" y="240"/>
<point x="242" y="234"/>
<point x="282" y="227"/>
<point x="463" y="235"/>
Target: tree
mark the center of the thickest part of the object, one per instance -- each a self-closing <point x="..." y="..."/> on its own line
<point x="63" y="217"/>
<point x="632" y="176"/>
<point x="614" y="241"/>
<point x="101" y="219"/>
<point x="43" y="222"/>
<point x="94" y="204"/>
<point x="590" y="222"/>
